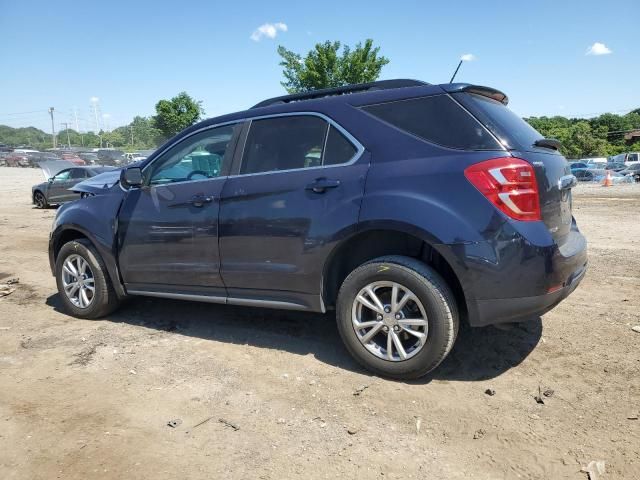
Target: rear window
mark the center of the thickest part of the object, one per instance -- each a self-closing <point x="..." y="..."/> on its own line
<point x="512" y="130"/>
<point x="437" y="119"/>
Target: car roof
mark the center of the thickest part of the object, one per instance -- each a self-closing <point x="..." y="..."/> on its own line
<point x="326" y="100"/>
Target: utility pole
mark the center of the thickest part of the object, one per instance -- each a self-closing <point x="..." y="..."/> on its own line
<point x="53" y="128"/>
<point x="131" y="128"/>
<point x="66" y="127"/>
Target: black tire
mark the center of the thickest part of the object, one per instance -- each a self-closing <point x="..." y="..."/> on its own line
<point x="434" y="294"/>
<point x="40" y="200"/>
<point x="104" y="299"/>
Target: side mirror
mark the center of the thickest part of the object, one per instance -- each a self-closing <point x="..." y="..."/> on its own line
<point x="50" y="179"/>
<point x="131" y="177"/>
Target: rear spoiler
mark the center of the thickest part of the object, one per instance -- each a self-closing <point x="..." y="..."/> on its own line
<point x="478" y="90"/>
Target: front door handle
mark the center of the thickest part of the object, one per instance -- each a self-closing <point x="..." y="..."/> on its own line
<point x="320" y="185"/>
<point x="200" y="200"/>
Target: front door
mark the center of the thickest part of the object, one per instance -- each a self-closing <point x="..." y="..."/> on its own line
<point x="59" y="186"/>
<point x="298" y="190"/>
<point x="168" y="229"/>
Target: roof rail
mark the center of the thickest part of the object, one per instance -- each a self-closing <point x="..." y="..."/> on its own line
<point x="328" y="92"/>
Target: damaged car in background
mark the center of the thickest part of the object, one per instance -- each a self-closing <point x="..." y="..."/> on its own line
<point x="61" y="176"/>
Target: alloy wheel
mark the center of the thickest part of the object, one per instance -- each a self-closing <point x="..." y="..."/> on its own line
<point x="40" y="201"/>
<point x="390" y="321"/>
<point x="78" y="281"/>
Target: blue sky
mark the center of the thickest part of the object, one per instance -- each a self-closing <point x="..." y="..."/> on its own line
<point x="132" y="53"/>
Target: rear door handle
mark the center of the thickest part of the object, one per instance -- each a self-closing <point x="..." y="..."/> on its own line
<point x="320" y="185"/>
<point x="200" y="200"/>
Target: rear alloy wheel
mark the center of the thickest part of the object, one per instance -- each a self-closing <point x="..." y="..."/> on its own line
<point x="40" y="200"/>
<point x="397" y="317"/>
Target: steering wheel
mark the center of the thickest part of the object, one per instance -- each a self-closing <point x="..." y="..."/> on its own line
<point x="197" y="172"/>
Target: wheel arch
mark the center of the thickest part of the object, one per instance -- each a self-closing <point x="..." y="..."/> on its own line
<point x="378" y="241"/>
<point x="68" y="233"/>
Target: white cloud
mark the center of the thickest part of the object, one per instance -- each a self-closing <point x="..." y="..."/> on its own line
<point x="468" y="57"/>
<point x="269" y="30"/>
<point x="598" y="49"/>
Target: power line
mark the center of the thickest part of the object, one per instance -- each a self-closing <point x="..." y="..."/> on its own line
<point x="22" y="113"/>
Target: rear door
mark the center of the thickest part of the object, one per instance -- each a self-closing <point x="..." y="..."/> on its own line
<point x="552" y="170"/>
<point x="297" y="189"/>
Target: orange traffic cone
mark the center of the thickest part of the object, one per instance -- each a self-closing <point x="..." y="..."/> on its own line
<point x="608" y="181"/>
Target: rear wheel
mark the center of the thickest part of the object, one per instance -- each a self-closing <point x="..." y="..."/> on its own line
<point x="40" y="200"/>
<point x="83" y="282"/>
<point x="397" y="317"/>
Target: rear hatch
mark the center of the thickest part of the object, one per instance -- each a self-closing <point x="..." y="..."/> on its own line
<point x="552" y="170"/>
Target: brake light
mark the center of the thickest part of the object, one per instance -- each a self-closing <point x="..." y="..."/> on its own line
<point x="510" y="184"/>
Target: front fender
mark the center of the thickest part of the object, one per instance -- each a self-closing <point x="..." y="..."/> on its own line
<point x="96" y="218"/>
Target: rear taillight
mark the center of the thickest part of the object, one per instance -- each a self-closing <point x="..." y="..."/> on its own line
<point x="510" y="184"/>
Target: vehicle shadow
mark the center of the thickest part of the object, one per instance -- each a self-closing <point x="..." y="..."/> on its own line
<point x="478" y="354"/>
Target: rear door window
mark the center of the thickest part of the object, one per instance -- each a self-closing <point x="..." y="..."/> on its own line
<point x="437" y="119"/>
<point x="338" y="149"/>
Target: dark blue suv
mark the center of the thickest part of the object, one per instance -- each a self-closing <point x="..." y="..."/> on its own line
<point x="404" y="206"/>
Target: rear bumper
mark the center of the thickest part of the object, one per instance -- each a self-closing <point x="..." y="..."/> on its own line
<point x="506" y="310"/>
<point x="516" y="277"/>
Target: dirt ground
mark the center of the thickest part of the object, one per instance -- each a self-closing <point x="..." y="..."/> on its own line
<point x="280" y="397"/>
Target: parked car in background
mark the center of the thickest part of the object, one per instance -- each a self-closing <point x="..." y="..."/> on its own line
<point x="403" y="206"/>
<point x="594" y="160"/>
<point x="56" y="190"/>
<point x="615" y="166"/>
<point x="109" y="156"/>
<point x="632" y="170"/>
<point x="73" y="158"/>
<point x="90" y="158"/>
<point x="626" y="158"/>
<point x="575" y="165"/>
<point x="138" y="156"/>
<point x="598" y="175"/>
<point x="17" y="159"/>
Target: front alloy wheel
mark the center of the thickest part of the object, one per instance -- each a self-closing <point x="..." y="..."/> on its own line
<point x="83" y="282"/>
<point x="78" y="281"/>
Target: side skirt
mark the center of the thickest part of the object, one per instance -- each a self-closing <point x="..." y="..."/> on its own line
<point x="249" y="302"/>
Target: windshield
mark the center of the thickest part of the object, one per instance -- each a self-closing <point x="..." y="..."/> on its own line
<point x="512" y="131"/>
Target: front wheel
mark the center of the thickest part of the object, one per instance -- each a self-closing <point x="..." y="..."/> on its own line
<point x="83" y="281"/>
<point x="40" y="200"/>
<point x="397" y="317"/>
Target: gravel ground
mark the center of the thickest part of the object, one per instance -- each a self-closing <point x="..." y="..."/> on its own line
<point x="271" y="395"/>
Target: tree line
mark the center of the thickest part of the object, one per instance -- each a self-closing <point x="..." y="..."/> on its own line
<point x="326" y="66"/>
<point x="172" y="116"/>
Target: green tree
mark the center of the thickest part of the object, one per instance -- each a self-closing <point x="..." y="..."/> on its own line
<point x="114" y="138"/>
<point x="173" y="116"/>
<point x="145" y="134"/>
<point x="324" y="67"/>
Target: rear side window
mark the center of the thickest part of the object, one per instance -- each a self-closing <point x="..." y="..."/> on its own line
<point x="437" y="119"/>
<point x="512" y="130"/>
<point x="294" y="142"/>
